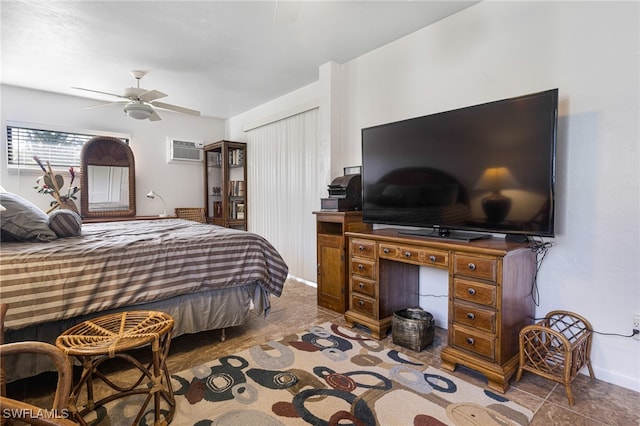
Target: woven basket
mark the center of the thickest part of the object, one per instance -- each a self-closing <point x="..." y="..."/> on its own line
<point x="413" y="328"/>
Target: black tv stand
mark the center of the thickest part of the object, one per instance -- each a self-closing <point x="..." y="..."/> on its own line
<point x="518" y="238"/>
<point x="445" y="234"/>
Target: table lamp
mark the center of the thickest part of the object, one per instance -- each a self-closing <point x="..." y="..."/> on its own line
<point x="496" y="206"/>
<point x="152" y="194"/>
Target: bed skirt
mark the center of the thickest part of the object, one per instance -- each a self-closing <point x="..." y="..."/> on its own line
<point x="192" y="313"/>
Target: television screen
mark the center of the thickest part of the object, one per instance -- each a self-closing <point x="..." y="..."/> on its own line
<point x="484" y="168"/>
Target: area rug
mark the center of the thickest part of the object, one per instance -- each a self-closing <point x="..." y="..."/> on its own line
<point x="332" y="375"/>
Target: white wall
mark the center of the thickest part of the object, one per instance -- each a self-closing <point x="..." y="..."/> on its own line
<point x="180" y="185"/>
<point x="495" y="50"/>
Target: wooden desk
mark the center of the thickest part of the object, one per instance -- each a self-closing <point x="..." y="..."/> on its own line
<point x="490" y="283"/>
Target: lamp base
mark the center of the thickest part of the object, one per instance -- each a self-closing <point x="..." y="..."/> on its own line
<point x="496" y="207"/>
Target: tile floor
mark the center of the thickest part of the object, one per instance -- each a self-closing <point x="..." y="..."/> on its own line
<point x="596" y="402"/>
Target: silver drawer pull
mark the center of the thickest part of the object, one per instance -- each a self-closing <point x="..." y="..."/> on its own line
<point x="472" y="266"/>
<point x="361" y="247"/>
<point x="361" y="303"/>
<point x="432" y="258"/>
<point x="360" y="266"/>
<point x="471" y="316"/>
<point x="470" y="341"/>
<point x="361" y="285"/>
<point x="471" y="291"/>
<point x="386" y="251"/>
<point x="407" y="254"/>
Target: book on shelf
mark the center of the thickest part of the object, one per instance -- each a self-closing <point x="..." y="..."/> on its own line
<point x="236" y="209"/>
<point x="215" y="159"/>
<point x="236" y="188"/>
<point x="217" y="209"/>
<point x="236" y="157"/>
<point x="240" y="211"/>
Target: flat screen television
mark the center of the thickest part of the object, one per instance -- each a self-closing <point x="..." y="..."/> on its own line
<point x="485" y="169"/>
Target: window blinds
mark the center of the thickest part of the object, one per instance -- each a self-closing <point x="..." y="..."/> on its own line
<point x="61" y="149"/>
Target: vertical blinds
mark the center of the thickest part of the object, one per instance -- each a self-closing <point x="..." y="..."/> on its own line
<point x="283" y="166"/>
<point x="61" y="149"/>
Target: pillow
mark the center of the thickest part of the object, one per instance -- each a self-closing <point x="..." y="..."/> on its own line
<point x="65" y="223"/>
<point x="23" y="221"/>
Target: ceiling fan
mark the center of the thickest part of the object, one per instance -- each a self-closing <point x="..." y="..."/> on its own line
<point x="140" y="103"/>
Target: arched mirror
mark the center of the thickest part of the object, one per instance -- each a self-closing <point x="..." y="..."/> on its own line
<point x="108" y="187"/>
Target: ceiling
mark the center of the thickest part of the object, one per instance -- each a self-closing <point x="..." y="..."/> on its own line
<point x="219" y="57"/>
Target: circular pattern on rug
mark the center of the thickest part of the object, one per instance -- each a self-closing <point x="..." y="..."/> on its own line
<point x="340" y="381"/>
<point x="266" y="360"/>
<point x="436" y="381"/>
<point x="319" y="331"/>
<point x="245" y="417"/>
<point x="220" y="382"/>
<point x="244" y="393"/>
<point x="468" y="413"/>
<point x="359" y="407"/>
<point x="334" y="354"/>
<point x="399" y="373"/>
<point x="366" y="360"/>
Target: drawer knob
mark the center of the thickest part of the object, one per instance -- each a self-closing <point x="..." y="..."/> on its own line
<point x="361" y="303"/>
<point x="472" y="266"/>
<point x="386" y="250"/>
<point x="360" y="266"/>
<point x="361" y="285"/>
<point x="471" y="291"/>
<point x="471" y="316"/>
<point x="407" y="254"/>
<point x="470" y="341"/>
<point x="432" y="258"/>
<point x="361" y="247"/>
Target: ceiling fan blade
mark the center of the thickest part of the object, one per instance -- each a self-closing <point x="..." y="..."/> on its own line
<point x="151" y="95"/>
<point x="105" y="104"/>
<point x="154" y="117"/>
<point x="98" y="91"/>
<point x="175" y="108"/>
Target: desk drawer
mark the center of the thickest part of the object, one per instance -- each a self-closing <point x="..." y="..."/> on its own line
<point x="476" y="267"/>
<point x="363" y="248"/>
<point x="363" y="305"/>
<point x="472" y="291"/>
<point x="435" y="257"/>
<point x="474" y="342"/>
<point x="413" y="254"/>
<point x="364" y="268"/>
<point x="481" y="319"/>
<point x="363" y="286"/>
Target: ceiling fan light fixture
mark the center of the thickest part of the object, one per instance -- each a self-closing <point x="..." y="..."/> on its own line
<point x="138" y="110"/>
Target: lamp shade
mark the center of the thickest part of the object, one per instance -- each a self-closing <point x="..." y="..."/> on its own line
<point x="138" y="110"/>
<point x="495" y="179"/>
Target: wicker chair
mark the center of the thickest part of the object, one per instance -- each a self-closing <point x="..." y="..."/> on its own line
<point x="557" y="348"/>
<point x="191" y="213"/>
<point x="28" y="413"/>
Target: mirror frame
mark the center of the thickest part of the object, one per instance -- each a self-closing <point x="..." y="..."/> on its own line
<point x="106" y="151"/>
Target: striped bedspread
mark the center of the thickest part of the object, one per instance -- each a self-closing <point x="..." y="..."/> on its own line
<point x="126" y="263"/>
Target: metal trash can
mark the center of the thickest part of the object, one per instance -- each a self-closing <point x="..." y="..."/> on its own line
<point x="413" y="328"/>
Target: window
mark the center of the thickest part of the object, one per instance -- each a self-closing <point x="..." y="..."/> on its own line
<point x="61" y="148"/>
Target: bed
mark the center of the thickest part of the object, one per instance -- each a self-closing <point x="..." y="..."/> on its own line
<point x="205" y="276"/>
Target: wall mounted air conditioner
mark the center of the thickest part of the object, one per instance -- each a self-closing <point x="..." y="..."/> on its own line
<point x="184" y="151"/>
